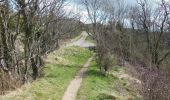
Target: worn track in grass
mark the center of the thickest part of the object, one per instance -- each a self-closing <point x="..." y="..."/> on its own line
<point x="75" y="84"/>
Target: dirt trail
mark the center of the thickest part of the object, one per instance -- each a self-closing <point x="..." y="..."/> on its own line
<point x="72" y="89"/>
<point x="82" y="42"/>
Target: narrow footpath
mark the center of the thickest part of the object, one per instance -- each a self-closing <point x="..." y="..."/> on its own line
<point x="75" y="84"/>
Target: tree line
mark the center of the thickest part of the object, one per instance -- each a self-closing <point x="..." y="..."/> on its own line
<point x="30" y="29"/>
<point x="138" y="34"/>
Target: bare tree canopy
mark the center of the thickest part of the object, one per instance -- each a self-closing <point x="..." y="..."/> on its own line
<point x="29" y="29"/>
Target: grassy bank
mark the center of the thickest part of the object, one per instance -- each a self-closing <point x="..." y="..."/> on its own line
<point x="62" y="65"/>
<point x="99" y="87"/>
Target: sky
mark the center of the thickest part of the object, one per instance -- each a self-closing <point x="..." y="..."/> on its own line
<point x="75" y="8"/>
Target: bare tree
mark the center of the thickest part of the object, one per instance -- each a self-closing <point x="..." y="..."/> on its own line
<point x="29" y="30"/>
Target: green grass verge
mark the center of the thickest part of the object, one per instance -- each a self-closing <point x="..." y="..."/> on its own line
<point x="99" y="87"/>
<point x="61" y="68"/>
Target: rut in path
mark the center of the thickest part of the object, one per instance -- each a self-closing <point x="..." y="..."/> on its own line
<point x="74" y="85"/>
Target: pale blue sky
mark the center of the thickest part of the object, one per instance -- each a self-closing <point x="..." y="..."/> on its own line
<point x="75" y="8"/>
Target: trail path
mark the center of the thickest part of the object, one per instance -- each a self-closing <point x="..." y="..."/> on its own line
<point x="71" y="92"/>
<point x="82" y="42"/>
<point x="72" y="89"/>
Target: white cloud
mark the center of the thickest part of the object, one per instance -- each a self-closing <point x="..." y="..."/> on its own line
<point x="76" y="9"/>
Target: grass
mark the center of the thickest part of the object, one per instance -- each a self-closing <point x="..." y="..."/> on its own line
<point x="100" y="87"/>
<point x="62" y="65"/>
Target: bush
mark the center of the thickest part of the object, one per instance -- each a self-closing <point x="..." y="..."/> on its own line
<point x="156" y="84"/>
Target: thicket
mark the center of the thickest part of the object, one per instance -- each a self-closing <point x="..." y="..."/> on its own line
<point x="29" y="29"/>
<point x="137" y="34"/>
